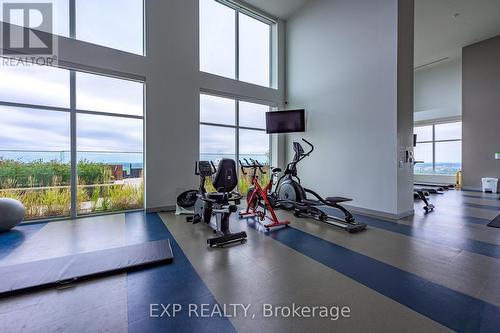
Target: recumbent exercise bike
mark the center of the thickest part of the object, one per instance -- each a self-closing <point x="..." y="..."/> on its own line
<point x="291" y="195"/>
<point x="221" y="203"/>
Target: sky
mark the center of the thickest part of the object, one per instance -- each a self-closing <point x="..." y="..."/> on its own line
<point x="218" y="44"/>
<point x="24" y="128"/>
<point x="93" y="26"/>
<point x="445" y="151"/>
<point x="49" y="130"/>
<point x="222" y="140"/>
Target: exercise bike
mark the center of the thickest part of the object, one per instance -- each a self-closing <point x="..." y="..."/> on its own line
<point x="291" y="195"/>
<point x="221" y="203"/>
<point x="258" y="203"/>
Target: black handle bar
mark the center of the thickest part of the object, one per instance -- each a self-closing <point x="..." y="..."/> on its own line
<point x="310" y="145"/>
<point x="253" y="165"/>
<point x="258" y="165"/>
<point x="242" y="167"/>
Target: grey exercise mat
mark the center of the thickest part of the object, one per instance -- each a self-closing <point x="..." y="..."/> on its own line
<point x="62" y="270"/>
<point x="495" y="223"/>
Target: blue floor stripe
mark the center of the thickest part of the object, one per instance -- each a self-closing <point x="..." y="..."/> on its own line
<point x="481" y="197"/>
<point x="474" y="205"/>
<point x="12" y="239"/>
<point x="175" y="283"/>
<point x="428" y="233"/>
<point x="448" y="307"/>
<point x="466" y="219"/>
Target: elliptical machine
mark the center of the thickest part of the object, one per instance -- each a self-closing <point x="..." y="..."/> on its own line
<point x="291" y="195"/>
<point x="218" y="203"/>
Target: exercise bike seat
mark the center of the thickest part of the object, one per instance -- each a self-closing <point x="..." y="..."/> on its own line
<point x="335" y="200"/>
<point x="276" y="170"/>
<point x="216" y="196"/>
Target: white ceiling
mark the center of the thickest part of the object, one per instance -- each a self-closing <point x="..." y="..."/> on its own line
<point x="279" y="8"/>
<point x="438" y="34"/>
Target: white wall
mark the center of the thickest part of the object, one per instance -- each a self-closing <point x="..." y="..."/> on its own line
<point x="438" y="97"/>
<point x="173" y="83"/>
<point x="343" y="69"/>
<point x="438" y="91"/>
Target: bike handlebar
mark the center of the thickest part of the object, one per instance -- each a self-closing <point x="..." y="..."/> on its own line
<point x="254" y="165"/>
<point x="258" y="165"/>
<point x="242" y="167"/>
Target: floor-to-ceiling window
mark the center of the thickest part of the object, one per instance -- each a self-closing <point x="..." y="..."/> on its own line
<point x="44" y="113"/>
<point x="439" y="148"/>
<point x="236" y="129"/>
<point x="71" y="143"/>
<point x="118" y="24"/>
<point x="109" y="143"/>
<point x="235" y="42"/>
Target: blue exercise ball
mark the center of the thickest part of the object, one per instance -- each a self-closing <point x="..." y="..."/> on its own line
<point x="12" y="213"/>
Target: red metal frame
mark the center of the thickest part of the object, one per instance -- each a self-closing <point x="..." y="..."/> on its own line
<point x="253" y="210"/>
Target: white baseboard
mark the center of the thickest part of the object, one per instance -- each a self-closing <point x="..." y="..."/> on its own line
<point x="379" y="214"/>
<point x="473" y="189"/>
<point x="163" y="209"/>
<point x="352" y="209"/>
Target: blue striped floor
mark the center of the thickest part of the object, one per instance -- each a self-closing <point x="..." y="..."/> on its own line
<point x="11" y="240"/>
<point x="428" y="233"/>
<point x="450" y="308"/>
<point x="495" y="198"/>
<point x="178" y="283"/>
<point x="181" y="283"/>
<point x="488" y="207"/>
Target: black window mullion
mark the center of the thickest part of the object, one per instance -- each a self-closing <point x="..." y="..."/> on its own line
<point x="237" y="44"/>
<point x="73" y="145"/>
<point x="72" y="18"/>
<point x="237" y="131"/>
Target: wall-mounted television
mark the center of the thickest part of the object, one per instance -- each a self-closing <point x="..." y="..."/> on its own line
<point x="285" y="121"/>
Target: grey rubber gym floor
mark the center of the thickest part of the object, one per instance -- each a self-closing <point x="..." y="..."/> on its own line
<point x="427" y="273"/>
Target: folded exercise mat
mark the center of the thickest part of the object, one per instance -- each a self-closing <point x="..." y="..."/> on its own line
<point x="59" y="271"/>
<point x="495" y="223"/>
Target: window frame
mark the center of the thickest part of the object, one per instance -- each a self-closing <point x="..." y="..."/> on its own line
<point x="433" y="141"/>
<point x="73" y="112"/>
<point x="72" y="28"/>
<point x="257" y="16"/>
<point x="237" y="126"/>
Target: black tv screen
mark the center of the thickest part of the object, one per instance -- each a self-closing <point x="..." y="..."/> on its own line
<point x="285" y="121"/>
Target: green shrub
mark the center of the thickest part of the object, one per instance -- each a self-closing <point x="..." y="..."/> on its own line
<point x="43" y="187"/>
<point x="17" y="174"/>
<point x="93" y="173"/>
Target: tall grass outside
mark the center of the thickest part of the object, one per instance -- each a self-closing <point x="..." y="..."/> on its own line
<point x="44" y="187"/>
